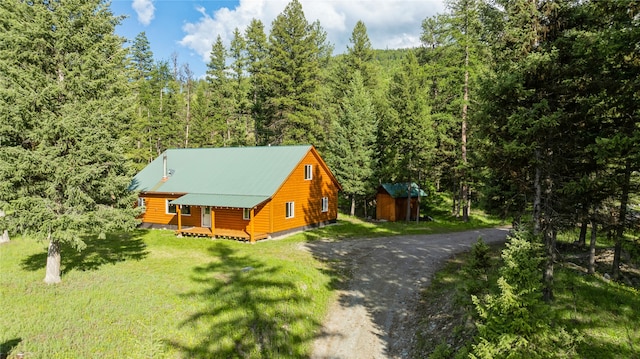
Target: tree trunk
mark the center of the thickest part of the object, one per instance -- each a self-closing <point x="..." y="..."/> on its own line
<point x="455" y="210"/>
<point x="353" y="205"/>
<point x="53" y="262"/>
<point x="365" y="207"/>
<point x="622" y="216"/>
<point x="408" y="219"/>
<point x="418" y="209"/>
<point x="592" y="247"/>
<point x="5" y="234"/>
<point x="537" y="198"/>
<point x="465" y="186"/>
<point x="550" y="246"/>
<point x="582" y="239"/>
<point x="550" y="234"/>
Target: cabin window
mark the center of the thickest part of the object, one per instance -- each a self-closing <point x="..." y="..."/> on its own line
<point x="246" y="213"/>
<point x="140" y="202"/>
<point x="308" y="172"/>
<point x="171" y="208"/>
<point x="290" y="210"/>
<point x="325" y="204"/>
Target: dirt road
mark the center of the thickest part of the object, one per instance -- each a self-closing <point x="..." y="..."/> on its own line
<point x="374" y="315"/>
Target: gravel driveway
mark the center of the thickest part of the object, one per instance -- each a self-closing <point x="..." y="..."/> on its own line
<point x="374" y="314"/>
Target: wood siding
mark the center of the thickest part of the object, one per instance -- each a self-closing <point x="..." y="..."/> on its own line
<point x="156" y="211"/>
<point x="393" y="209"/>
<point x="385" y="207"/>
<point x="306" y="195"/>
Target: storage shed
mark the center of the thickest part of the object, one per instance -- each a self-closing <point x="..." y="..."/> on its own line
<point x="391" y="201"/>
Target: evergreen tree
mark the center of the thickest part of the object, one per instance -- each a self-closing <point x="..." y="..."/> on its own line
<point x="203" y="134"/>
<point x="220" y="86"/>
<point x="454" y="54"/>
<point x="525" y="130"/>
<point x="341" y="109"/>
<point x="256" y="41"/>
<point x="293" y="80"/>
<point x="64" y="102"/>
<point x="514" y="321"/>
<point x="141" y="56"/>
<point x="187" y="89"/>
<point x="359" y="57"/>
<point x="406" y="131"/>
<point x="351" y="148"/>
<point x="244" y="127"/>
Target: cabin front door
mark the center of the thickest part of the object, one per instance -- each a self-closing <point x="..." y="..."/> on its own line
<point x="206" y="217"/>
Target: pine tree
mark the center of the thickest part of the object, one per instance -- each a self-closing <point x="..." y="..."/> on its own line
<point x="454" y="54"/>
<point x="353" y="82"/>
<point x="293" y="80"/>
<point x="406" y="136"/>
<point x="222" y="107"/>
<point x="359" y="57"/>
<point x="244" y="126"/>
<point x="142" y="56"/>
<point x="256" y="41"/>
<point x="64" y="103"/>
<point x="142" y="66"/>
<point x="203" y="134"/>
<point x="351" y="148"/>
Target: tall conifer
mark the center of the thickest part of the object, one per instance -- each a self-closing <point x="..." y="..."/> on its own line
<point x="293" y="80"/>
<point x="64" y="102"/>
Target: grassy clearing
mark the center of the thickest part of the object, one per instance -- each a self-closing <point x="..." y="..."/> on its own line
<point x="603" y="313"/>
<point x="150" y="294"/>
<point x="353" y="227"/>
<point x="155" y="295"/>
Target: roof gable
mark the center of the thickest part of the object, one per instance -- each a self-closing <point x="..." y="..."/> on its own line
<point x="245" y="171"/>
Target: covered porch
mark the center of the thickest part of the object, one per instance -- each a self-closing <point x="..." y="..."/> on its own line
<point x="210" y="204"/>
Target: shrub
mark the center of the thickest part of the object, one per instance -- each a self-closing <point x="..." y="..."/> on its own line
<point x="515" y="322"/>
<point x="476" y="268"/>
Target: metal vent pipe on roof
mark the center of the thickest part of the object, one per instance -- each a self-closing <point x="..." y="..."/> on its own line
<point x="164" y="166"/>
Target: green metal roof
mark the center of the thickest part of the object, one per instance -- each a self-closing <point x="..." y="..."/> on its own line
<point x="399" y="190"/>
<point x="220" y="200"/>
<point x="226" y="176"/>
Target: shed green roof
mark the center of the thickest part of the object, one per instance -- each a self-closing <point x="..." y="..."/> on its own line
<point x="399" y="190"/>
<point x="229" y="176"/>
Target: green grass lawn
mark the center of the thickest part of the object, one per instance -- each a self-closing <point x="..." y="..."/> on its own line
<point x="150" y="294"/>
<point x="155" y="295"/>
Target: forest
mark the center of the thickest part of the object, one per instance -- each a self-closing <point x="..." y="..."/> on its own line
<point x="527" y="109"/>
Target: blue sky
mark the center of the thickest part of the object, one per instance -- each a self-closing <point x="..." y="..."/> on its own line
<point x="189" y="27"/>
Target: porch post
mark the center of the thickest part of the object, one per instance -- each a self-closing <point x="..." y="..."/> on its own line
<point x="179" y="210"/>
<point x="213" y="223"/>
<point x="251" y="226"/>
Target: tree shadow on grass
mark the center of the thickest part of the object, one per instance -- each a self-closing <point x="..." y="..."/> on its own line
<point x="593" y="302"/>
<point x="8" y="346"/>
<point x="114" y="248"/>
<point x="249" y="309"/>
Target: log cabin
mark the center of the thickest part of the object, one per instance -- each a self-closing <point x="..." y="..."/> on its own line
<point x="391" y="201"/>
<point x="247" y="193"/>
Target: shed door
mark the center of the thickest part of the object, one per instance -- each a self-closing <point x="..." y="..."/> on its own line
<point x="206" y="217"/>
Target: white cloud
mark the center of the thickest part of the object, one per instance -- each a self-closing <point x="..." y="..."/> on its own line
<point x="145" y="10"/>
<point x="390" y="23"/>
